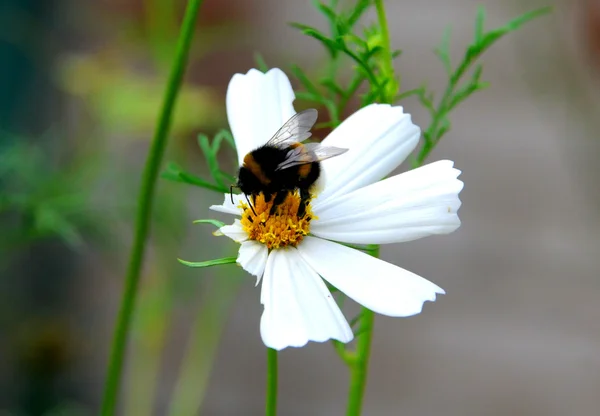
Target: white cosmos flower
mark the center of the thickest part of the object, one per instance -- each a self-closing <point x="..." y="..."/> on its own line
<point x="354" y="206"/>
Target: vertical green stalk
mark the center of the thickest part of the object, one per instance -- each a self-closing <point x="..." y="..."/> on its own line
<point x="271" y="397"/>
<point x="387" y="66"/>
<point x="360" y="365"/>
<point x="144" y="209"/>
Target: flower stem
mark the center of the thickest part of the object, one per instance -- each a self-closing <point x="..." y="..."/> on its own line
<point x="359" y="369"/>
<point x="387" y="66"/>
<point x="144" y="210"/>
<point x="360" y="365"/>
<point x="271" y="397"/>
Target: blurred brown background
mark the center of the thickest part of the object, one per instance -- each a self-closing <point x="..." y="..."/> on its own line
<point x="517" y="333"/>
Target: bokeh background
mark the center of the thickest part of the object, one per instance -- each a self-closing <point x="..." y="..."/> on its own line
<point x="80" y="86"/>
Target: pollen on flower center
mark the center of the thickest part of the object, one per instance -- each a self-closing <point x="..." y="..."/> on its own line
<point x="282" y="228"/>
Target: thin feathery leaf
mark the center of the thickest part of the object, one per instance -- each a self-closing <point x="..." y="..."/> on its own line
<point x="216" y="223"/>
<point x="208" y="263"/>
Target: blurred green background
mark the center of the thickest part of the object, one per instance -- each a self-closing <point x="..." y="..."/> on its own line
<point x="80" y="88"/>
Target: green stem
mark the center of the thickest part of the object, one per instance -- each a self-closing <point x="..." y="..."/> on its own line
<point x="271" y="397"/>
<point x="349" y="93"/>
<point x="360" y="366"/>
<point x="430" y="134"/>
<point x="144" y="210"/>
<point x="387" y="65"/>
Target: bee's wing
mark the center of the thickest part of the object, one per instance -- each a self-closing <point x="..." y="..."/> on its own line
<point x="296" y="129"/>
<point x="308" y="153"/>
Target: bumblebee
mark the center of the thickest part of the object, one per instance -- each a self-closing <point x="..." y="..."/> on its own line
<point x="284" y="164"/>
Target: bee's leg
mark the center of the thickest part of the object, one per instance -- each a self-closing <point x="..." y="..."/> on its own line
<point x="304" y="198"/>
<point x="251" y="203"/>
<point x="279" y="198"/>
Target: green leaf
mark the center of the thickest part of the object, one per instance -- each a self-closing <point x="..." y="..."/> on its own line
<point x="176" y="174"/>
<point x="443" y="51"/>
<point x="526" y="17"/>
<point x="356" y="319"/>
<point x="216" y="223"/>
<point x="356" y="40"/>
<point x="376" y="91"/>
<point x="359" y="9"/>
<point x="370" y="53"/>
<point x="226" y="134"/>
<point x="208" y="263"/>
<point x="363" y="66"/>
<point x="486" y="40"/>
<point x="307" y="96"/>
<point x="396" y="53"/>
<point x="49" y="221"/>
<point x="443" y="129"/>
<point x="477" y="74"/>
<point x="479" y="24"/>
<point x="260" y="62"/>
<point x="305" y="81"/>
<point x="327" y="11"/>
<point x="406" y="94"/>
<point x="332" y="46"/>
<point x="333" y="87"/>
<point x="465" y="92"/>
<point x="211" y="159"/>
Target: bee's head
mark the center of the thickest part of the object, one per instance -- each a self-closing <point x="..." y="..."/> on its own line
<point x="248" y="182"/>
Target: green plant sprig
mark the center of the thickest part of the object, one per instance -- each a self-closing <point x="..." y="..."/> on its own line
<point x="210" y="150"/>
<point x="458" y="90"/>
<point x="144" y="210"/>
<point x="366" y="50"/>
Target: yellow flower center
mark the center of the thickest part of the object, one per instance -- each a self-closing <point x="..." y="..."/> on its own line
<point x="282" y="228"/>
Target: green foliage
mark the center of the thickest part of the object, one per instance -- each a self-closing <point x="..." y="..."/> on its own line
<point x="38" y="200"/>
<point x="216" y="223"/>
<point x="367" y="50"/>
<point x="208" y="263"/>
<point x="210" y="150"/>
<point x="458" y="89"/>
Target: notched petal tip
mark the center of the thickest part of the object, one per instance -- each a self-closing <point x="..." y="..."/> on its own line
<point x="298" y="307"/>
<point x="380" y="286"/>
<point x="235" y="231"/>
<point x="252" y="257"/>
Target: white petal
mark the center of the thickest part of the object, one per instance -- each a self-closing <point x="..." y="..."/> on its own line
<point x="374" y="283"/>
<point x="253" y="258"/>
<point x="235" y="231"/>
<point x="404" y="207"/>
<point x="298" y="305"/>
<point x="229" y="207"/>
<point x="258" y="105"/>
<point x="379" y="137"/>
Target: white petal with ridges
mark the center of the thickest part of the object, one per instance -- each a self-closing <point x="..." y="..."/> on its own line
<point x="298" y="305"/>
<point x="258" y="104"/>
<point x="379" y="137"/>
<point x="404" y="207"/>
<point x="374" y="283"/>
<point x="234" y="231"/>
<point x="229" y="207"/>
<point x="253" y="258"/>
